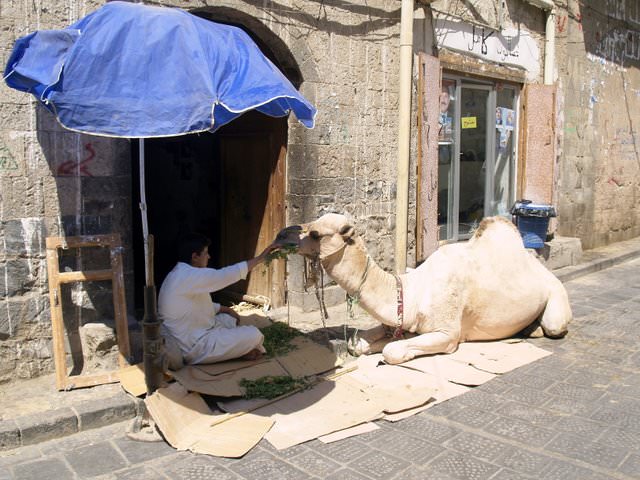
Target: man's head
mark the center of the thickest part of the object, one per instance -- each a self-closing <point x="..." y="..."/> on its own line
<point x="194" y="250"/>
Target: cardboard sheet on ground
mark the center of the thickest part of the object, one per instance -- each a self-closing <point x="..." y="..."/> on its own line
<point x="186" y="422"/>
<point x="223" y="379"/>
<point x="395" y="388"/>
<point x="498" y="357"/>
<point x="349" y="432"/>
<point x="132" y="379"/>
<point x="450" y="369"/>
<point x="227" y="384"/>
<point x="236" y="405"/>
<point x="444" y="392"/>
<point x="327" y="407"/>
<point x="308" y="358"/>
<point x="214" y="369"/>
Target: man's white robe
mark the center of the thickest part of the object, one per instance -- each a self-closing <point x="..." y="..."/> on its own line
<point x="192" y="318"/>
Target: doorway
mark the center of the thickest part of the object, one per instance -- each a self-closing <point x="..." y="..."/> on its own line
<point x="228" y="185"/>
<point x="476" y="154"/>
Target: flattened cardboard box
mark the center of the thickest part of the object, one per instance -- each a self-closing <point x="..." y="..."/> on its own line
<point x="335" y="408"/>
<point x="187" y="423"/>
<point x="223" y="379"/>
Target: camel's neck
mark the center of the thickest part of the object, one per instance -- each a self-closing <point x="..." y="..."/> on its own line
<point x="377" y="294"/>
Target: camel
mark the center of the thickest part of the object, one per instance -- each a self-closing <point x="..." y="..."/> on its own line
<point x="488" y="288"/>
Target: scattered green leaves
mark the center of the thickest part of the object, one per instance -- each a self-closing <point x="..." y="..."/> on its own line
<point x="277" y="338"/>
<point x="272" y="386"/>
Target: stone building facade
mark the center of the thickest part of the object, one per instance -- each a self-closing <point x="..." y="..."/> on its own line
<point x="571" y="143"/>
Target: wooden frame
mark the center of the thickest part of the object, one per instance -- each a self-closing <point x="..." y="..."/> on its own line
<point x="57" y="278"/>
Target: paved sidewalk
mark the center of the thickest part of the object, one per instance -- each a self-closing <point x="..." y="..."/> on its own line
<point x="575" y="414"/>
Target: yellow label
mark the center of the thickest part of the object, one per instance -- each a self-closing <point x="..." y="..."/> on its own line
<point x="469" y="122"/>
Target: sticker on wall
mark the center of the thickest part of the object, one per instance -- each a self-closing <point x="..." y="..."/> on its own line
<point x="469" y="122"/>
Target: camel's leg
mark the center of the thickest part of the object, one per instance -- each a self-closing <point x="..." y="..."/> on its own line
<point x="533" y="331"/>
<point x="433" y="342"/>
<point x="360" y="343"/>
<point x="557" y="314"/>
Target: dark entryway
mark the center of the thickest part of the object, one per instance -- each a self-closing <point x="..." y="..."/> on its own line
<point x="228" y="185"/>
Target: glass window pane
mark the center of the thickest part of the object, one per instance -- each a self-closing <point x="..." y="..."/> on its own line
<point x="504" y="169"/>
<point x="446" y="149"/>
<point x="473" y="141"/>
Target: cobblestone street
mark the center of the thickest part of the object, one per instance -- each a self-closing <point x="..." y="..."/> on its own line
<point x="572" y="415"/>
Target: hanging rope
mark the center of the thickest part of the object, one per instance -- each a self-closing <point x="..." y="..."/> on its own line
<point x="314" y="276"/>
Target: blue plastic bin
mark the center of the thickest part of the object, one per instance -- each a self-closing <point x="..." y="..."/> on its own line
<point x="532" y="220"/>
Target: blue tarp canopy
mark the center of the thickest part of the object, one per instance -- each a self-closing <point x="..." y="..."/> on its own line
<point x="131" y="70"/>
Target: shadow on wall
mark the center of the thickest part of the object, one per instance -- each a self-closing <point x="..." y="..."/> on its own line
<point x="372" y="19"/>
<point x="93" y="194"/>
<point x="608" y="29"/>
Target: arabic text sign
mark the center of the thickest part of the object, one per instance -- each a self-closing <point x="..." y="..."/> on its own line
<point x="510" y="46"/>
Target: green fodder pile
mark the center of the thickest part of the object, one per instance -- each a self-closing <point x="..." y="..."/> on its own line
<point x="277" y="338"/>
<point x="272" y="386"/>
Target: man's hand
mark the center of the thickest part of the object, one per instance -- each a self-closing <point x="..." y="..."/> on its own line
<point x="229" y="311"/>
<point x="260" y="258"/>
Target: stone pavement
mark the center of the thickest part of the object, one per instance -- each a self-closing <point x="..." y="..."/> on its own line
<point x="575" y="414"/>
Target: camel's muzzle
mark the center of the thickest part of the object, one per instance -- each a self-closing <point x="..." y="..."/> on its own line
<point x="289" y="235"/>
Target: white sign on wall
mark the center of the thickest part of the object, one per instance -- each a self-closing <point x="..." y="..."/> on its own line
<point x="509" y="46"/>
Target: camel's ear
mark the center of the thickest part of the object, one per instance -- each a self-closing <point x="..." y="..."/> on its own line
<point x="347" y="232"/>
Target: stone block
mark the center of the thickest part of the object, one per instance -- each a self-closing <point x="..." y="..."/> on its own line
<point x="106" y="188"/>
<point x="14" y="277"/>
<point x="23" y="237"/>
<point x="336" y="161"/>
<point x="9" y="435"/>
<point x="39" y="427"/>
<point x="302" y="161"/>
<point x="21" y="310"/>
<point x="54" y="468"/>
<point x="12" y="154"/>
<point x="104" y="411"/>
<point x="560" y="252"/>
<point x="308" y="302"/>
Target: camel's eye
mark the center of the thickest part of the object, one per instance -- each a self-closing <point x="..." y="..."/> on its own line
<point x="314" y="235"/>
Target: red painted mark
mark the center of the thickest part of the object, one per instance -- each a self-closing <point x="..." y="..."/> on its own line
<point x="613" y="181"/>
<point x="562" y="23"/>
<point x="579" y="19"/>
<point x="70" y="167"/>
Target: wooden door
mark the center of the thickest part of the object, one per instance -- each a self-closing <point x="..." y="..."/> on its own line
<point x="252" y="153"/>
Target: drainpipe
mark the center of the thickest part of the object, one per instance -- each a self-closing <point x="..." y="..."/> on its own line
<point x="404" y="134"/>
<point x="549" y="46"/>
<point x="550" y="37"/>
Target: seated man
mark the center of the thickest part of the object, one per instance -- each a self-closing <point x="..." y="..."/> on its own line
<point x="205" y="331"/>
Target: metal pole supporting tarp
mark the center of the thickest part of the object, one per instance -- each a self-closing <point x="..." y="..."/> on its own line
<point x="152" y="346"/>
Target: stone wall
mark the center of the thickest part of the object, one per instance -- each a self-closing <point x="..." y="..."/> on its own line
<point x="598" y="60"/>
<point x="53" y="182"/>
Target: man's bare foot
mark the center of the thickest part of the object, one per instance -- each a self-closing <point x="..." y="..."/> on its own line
<point x="254" y="354"/>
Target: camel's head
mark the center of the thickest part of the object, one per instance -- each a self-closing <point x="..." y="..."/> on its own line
<point x="324" y="237"/>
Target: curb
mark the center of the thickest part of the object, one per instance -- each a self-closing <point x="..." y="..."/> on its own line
<point x="566" y="274"/>
<point x="47" y="425"/>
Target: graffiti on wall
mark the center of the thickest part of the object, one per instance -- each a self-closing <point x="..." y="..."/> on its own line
<point x="618" y="45"/>
<point x="75" y="168"/>
<point x="627" y="10"/>
<point x="7" y="162"/>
